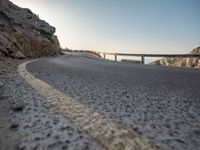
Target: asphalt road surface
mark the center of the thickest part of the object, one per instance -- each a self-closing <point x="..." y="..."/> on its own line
<point x="161" y="104"/>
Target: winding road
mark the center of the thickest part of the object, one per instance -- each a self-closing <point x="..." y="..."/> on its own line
<point x="160" y="104"/>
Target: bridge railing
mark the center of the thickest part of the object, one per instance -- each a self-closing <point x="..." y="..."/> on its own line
<point x="138" y="55"/>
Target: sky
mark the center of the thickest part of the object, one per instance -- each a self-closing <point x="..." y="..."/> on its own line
<point x="129" y="26"/>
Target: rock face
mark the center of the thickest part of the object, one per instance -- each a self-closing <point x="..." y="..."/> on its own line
<point x="21" y="31"/>
<point x="181" y="62"/>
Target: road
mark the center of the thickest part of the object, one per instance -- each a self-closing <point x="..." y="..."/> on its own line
<point x="161" y="104"/>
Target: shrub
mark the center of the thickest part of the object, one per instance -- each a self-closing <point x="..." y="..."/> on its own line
<point x="46" y="35"/>
<point x="5" y="16"/>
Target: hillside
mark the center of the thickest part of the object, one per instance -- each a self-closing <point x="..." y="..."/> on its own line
<point x="181" y="62"/>
<point x="23" y="34"/>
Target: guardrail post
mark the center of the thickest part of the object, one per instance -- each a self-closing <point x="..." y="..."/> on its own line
<point x="142" y="59"/>
<point x="115" y="57"/>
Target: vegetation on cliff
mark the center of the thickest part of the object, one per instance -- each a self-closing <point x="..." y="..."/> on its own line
<point x="22" y="32"/>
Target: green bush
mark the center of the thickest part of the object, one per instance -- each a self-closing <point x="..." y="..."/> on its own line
<point x="5" y="16"/>
<point x="46" y="35"/>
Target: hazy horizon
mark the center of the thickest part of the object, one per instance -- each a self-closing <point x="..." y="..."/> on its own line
<point x="129" y="26"/>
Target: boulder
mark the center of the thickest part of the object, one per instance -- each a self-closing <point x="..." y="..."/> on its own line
<point x="198" y="64"/>
<point x="181" y="62"/>
<point x="18" y="55"/>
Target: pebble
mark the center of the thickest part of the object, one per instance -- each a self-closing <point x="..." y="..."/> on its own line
<point x="18" y="106"/>
<point x="14" y="126"/>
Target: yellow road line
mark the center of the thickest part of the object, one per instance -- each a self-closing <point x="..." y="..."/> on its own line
<point x="110" y="135"/>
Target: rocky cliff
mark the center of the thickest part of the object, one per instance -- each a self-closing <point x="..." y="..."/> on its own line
<point x="22" y="33"/>
<point x="181" y="62"/>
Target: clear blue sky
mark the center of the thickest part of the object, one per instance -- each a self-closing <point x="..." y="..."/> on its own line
<point x="136" y="26"/>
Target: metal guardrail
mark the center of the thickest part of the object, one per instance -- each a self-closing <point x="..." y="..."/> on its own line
<point x="151" y="55"/>
<point x="139" y="55"/>
<point x="85" y="51"/>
